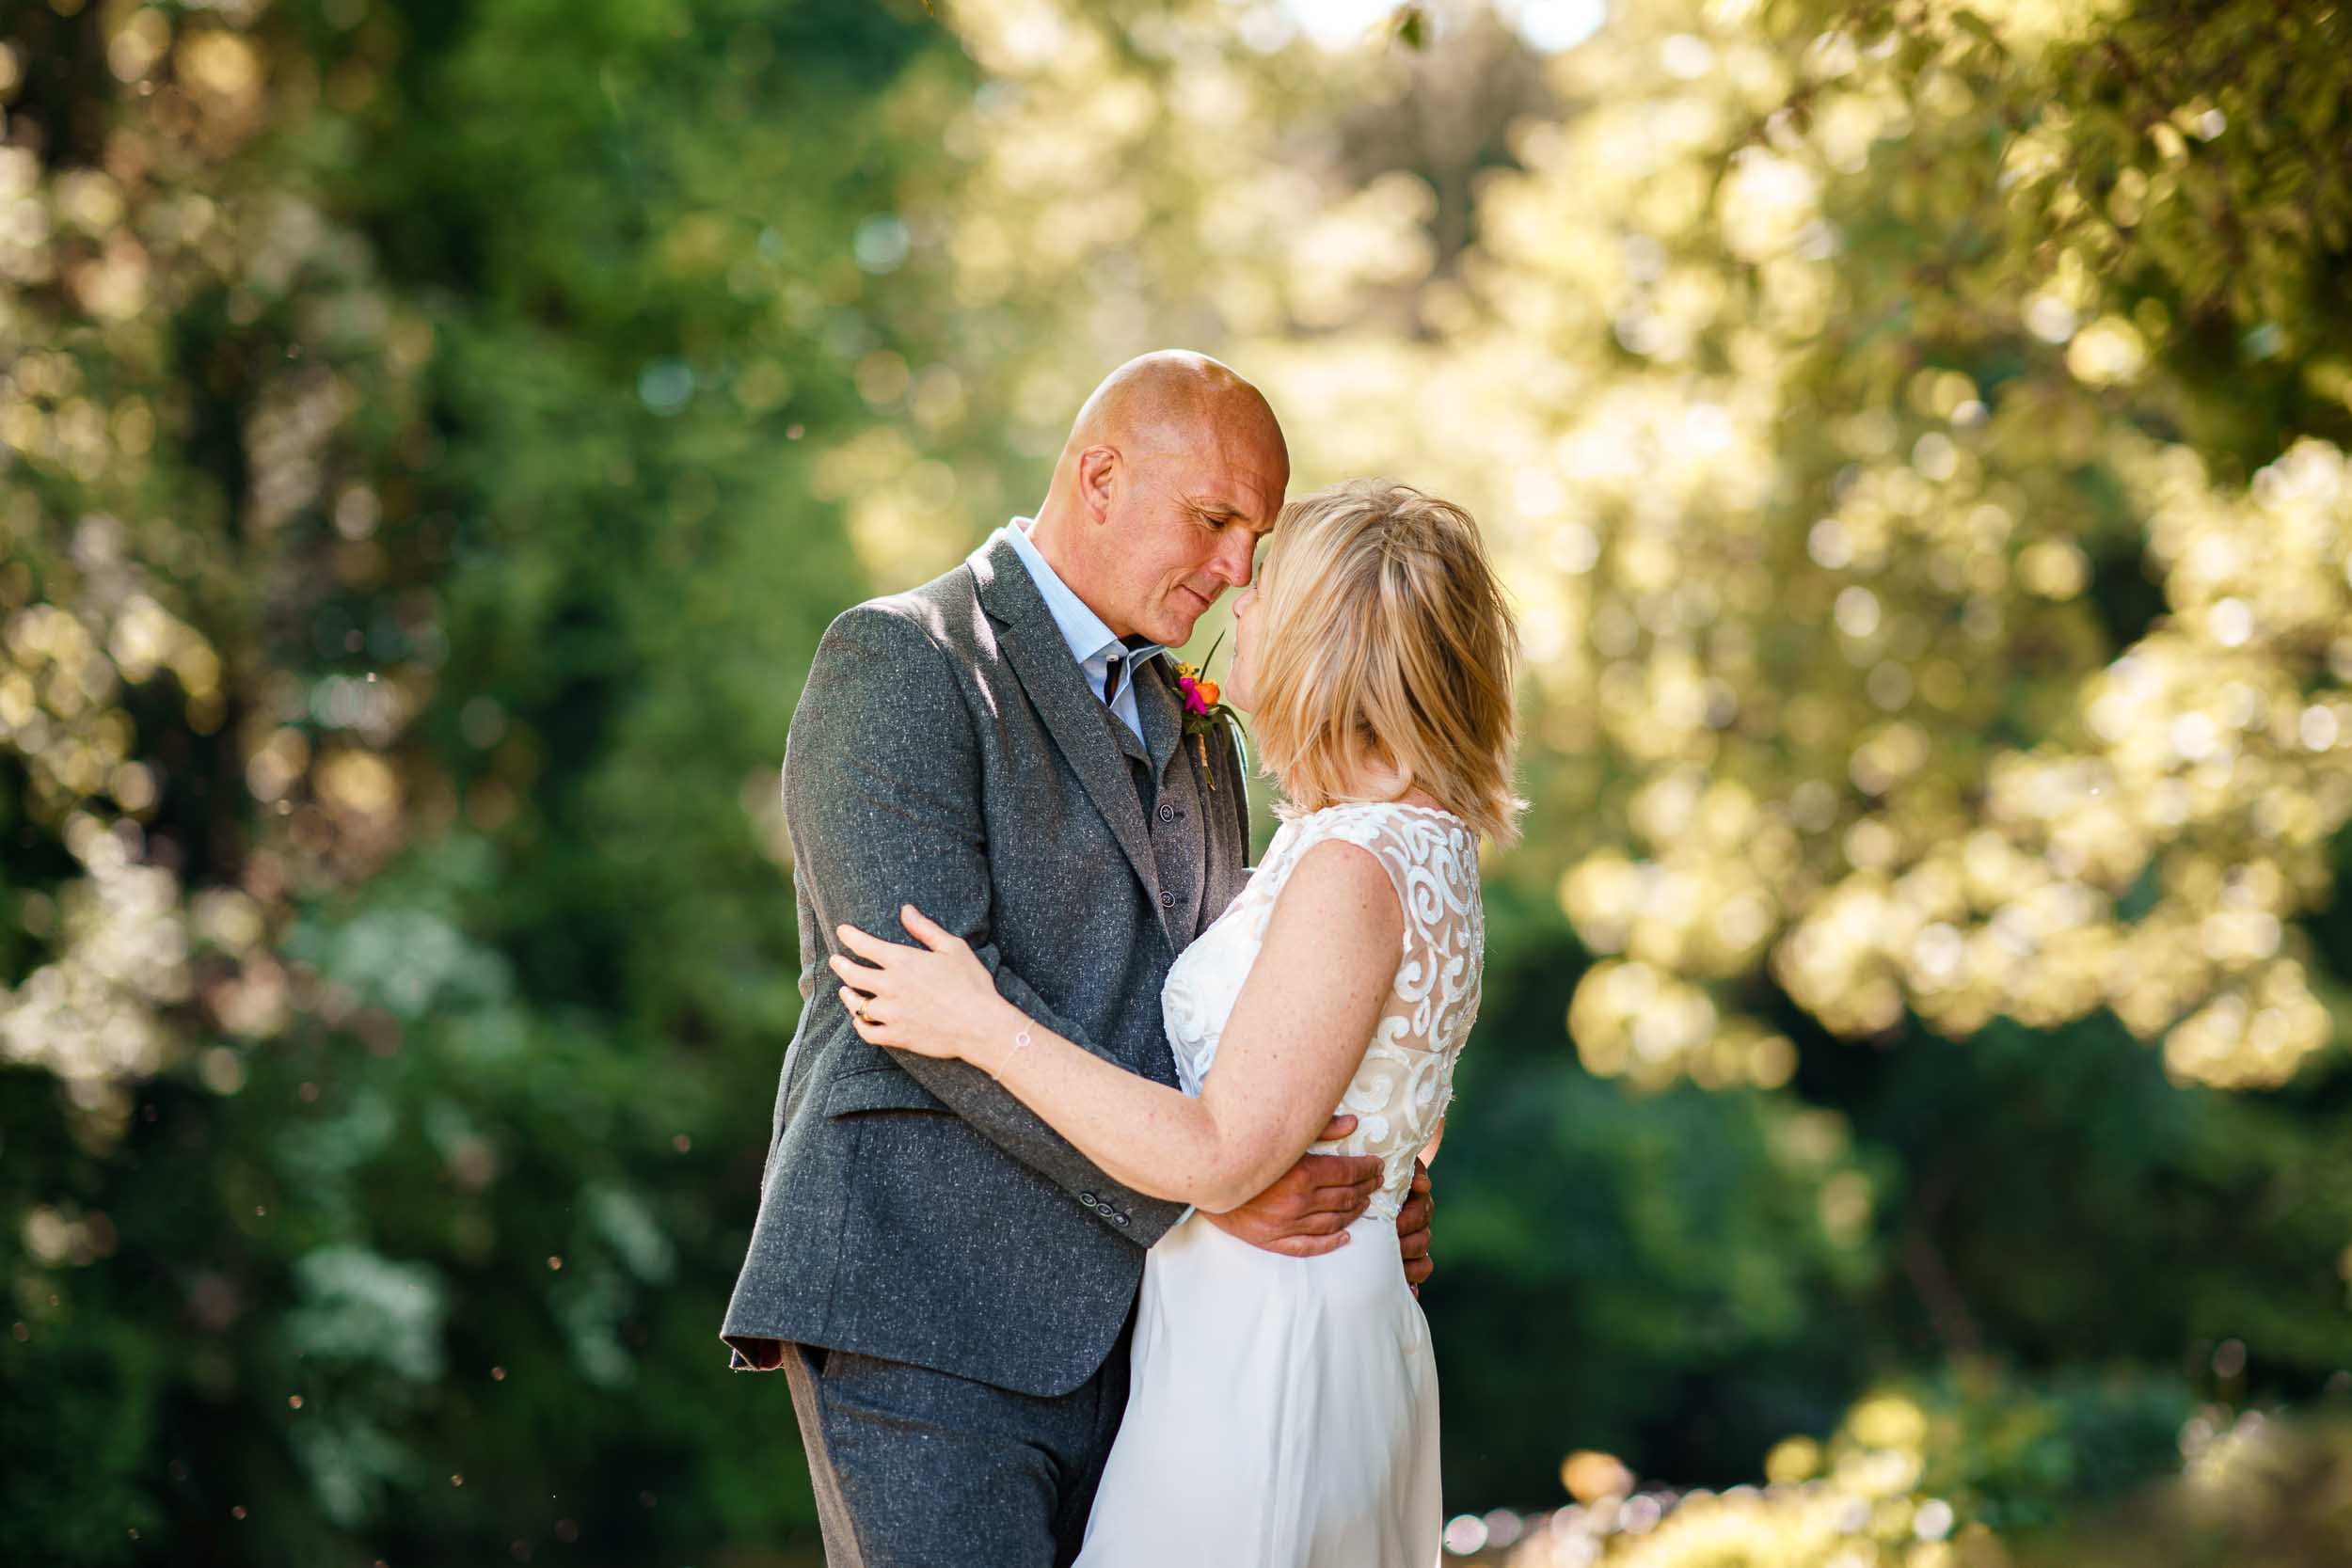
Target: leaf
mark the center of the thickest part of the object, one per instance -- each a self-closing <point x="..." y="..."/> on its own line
<point x="1978" y="28"/>
<point x="1409" y="26"/>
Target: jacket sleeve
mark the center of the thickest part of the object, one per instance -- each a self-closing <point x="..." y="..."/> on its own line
<point x="882" y="796"/>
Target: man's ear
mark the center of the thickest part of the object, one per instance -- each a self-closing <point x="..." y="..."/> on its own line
<point x="1098" y="481"/>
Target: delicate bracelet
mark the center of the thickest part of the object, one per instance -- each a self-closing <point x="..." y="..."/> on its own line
<point x="1020" y="1043"/>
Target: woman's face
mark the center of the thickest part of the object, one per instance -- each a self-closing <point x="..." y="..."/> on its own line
<point x="1240" y="681"/>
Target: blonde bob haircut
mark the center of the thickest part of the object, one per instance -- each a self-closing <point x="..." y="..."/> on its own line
<point x="1386" y="656"/>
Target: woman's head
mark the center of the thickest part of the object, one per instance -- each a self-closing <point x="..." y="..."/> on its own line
<point x="1376" y="654"/>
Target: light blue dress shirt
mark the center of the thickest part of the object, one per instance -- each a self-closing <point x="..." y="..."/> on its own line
<point x="1091" y="642"/>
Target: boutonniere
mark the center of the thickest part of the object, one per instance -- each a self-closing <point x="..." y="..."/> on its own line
<point x="1204" y="714"/>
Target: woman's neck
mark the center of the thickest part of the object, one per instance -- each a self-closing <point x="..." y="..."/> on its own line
<point x="1385" y="787"/>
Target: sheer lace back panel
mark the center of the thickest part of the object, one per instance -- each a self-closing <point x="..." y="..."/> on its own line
<point x="1401" y="1090"/>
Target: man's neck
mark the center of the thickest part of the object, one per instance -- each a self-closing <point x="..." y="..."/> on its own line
<point x="1052" y="544"/>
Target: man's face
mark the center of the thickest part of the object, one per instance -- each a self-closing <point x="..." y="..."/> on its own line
<point x="1184" y="529"/>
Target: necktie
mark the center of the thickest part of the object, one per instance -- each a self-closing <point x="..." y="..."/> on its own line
<point x="1137" y="769"/>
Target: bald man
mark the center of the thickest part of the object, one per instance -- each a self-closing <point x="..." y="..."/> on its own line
<point x="946" y="1283"/>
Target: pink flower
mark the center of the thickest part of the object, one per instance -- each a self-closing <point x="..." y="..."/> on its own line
<point x="1191" y="689"/>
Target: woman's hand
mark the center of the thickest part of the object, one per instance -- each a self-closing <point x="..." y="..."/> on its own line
<point x="936" y="999"/>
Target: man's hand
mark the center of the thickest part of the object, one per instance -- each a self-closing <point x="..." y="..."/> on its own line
<point x="1412" y="1228"/>
<point x="1306" y="1213"/>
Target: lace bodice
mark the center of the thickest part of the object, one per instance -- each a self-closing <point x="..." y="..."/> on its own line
<point x="1406" y="1078"/>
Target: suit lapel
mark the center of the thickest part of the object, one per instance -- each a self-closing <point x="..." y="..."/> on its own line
<point x="1162" y="712"/>
<point x="1073" y="714"/>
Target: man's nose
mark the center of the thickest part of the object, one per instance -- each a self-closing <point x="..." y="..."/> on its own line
<point x="1232" y="559"/>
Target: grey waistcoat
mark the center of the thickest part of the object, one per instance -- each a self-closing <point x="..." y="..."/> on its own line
<point x="948" y="753"/>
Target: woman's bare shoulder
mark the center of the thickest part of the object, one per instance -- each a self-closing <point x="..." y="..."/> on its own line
<point x="1339" y="897"/>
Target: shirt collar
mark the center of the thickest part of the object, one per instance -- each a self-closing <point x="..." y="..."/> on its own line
<point x="1090" y="641"/>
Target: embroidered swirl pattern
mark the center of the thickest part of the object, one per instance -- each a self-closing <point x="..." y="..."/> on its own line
<point x="1406" y="1078"/>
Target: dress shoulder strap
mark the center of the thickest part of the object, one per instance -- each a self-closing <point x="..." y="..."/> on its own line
<point x="1418" y="847"/>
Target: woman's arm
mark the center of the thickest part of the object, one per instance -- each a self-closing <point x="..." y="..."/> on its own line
<point x="1294" y="1040"/>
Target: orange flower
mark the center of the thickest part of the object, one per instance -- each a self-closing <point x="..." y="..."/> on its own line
<point x="1208" y="691"/>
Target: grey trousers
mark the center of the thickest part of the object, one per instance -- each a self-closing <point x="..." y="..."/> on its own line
<point x="914" y="1468"/>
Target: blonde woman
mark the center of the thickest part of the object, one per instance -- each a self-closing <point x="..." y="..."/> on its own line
<point x="1284" y="1411"/>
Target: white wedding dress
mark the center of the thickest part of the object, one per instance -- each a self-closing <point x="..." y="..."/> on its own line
<point x="1282" y="1411"/>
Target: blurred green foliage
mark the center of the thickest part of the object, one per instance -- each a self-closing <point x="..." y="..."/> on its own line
<point x="431" y="438"/>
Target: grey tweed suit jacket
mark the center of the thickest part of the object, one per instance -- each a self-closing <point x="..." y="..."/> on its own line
<point x="948" y="753"/>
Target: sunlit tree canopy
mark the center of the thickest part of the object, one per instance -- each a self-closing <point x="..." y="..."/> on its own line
<point x="1809" y="367"/>
<point x="1906" y="1114"/>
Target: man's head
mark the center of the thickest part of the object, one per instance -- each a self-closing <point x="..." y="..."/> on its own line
<point x="1173" y="471"/>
